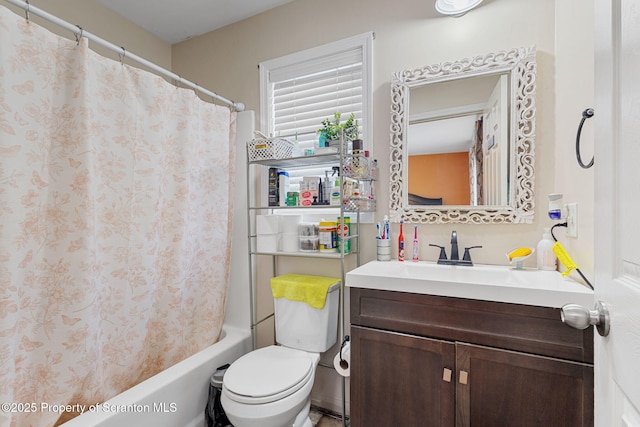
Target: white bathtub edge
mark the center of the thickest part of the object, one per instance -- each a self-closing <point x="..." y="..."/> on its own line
<point x="174" y="397"/>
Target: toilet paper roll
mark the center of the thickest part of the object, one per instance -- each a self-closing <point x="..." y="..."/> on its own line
<point x="343" y="367"/>
<point x="288" y="224"/>
<point x="267" y="242"/>
<point x="289" y="242"/>
<point x="267" y="224"/>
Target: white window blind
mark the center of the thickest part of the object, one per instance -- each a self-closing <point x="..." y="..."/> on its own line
<point x="300" y="90"/>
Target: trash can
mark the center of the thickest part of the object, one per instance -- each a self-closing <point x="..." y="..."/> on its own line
<point x="214" y="413"/>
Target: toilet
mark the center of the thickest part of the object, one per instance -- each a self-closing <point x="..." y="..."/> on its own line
<point x="271" y="386"/>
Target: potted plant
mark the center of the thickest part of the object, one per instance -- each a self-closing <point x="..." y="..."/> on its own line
<point x="331" y="129"/>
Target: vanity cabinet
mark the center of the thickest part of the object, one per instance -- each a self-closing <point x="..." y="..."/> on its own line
<point x="423" y="360"/>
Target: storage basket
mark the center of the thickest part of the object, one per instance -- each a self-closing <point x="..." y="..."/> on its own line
<point x="269" y="148"/>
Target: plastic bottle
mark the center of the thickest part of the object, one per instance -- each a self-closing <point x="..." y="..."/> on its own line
<point x="326" y="186"/>
<point x="547" y="260"/>
<point x="328" y="236"/>
<point x="283" y="187"/>
<point x="344" y="232"/>
<point x="401" y="244"/>
<point x="357" y="160"/>
<point x="335" y="193"/>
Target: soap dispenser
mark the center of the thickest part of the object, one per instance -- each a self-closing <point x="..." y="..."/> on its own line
<point x="546" y="257"/>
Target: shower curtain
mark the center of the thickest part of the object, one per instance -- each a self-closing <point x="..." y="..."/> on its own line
<point x="115" y="211"/>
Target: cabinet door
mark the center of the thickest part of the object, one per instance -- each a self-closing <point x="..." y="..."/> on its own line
<point x="506" y="388"/>
<point x="401" y="380"/>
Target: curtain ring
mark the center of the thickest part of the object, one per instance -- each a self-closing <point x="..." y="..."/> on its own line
<point x="122" y="55"/>
<point x="79" y="35"/>
<point x="214" y="100"/>
<point x="26" y="10"/>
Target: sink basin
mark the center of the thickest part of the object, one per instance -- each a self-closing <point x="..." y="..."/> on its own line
<point x="484" y="282"/>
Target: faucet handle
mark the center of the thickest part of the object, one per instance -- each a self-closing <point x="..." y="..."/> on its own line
<point x="467" y="255"/>
<point x="443" y="253"/>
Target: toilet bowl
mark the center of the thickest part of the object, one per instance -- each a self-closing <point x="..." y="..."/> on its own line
<point x="270" y="387"/>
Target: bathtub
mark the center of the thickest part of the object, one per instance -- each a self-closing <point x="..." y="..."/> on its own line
<point x="175" y="397"/>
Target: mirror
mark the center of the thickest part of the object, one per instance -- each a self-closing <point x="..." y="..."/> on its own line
<point x="462" y="140"/>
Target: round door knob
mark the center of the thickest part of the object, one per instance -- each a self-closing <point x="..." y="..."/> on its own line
<point x="579" y="317"/>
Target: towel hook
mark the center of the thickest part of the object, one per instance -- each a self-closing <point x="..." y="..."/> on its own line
<point x="214" y="101"/>
<point x="586" y="114"/>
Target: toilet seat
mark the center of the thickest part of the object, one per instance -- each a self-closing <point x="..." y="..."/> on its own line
<point x="268" y="374"/>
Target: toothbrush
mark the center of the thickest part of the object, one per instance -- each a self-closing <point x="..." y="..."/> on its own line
<point x="415" y="243"/>
<point x="386" y="233"/>
<point x="401" y="243"/>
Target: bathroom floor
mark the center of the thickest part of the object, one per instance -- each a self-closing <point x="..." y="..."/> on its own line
<point x="321" y="419"/>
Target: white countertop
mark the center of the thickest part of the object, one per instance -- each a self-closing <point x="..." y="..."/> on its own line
<point x="480" y="282"/>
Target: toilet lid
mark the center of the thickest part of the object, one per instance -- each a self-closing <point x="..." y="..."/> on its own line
<point x="268" y="374"/>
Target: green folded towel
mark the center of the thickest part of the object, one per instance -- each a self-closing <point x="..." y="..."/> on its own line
<point x="299" y="287"/>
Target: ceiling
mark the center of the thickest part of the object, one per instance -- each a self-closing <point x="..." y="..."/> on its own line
<point x="448" y="135"/>
<point x="175" y="21"/>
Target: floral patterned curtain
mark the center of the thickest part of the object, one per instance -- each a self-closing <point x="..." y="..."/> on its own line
<point x="115" y="207"/>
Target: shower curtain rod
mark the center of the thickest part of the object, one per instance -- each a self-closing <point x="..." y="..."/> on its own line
<point x="80" y="32"/>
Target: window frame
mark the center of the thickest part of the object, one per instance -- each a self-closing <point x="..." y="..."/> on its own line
<point x="363" y="42"/>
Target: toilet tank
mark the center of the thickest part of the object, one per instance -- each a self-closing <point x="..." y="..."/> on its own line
<point x="300" y="326"/>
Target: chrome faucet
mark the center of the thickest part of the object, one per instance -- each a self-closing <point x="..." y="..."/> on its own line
<point x="455" y="255"/>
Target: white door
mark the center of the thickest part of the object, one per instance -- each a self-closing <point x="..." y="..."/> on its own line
<point x="495" y="145"/>
<point x="617" y="212"/>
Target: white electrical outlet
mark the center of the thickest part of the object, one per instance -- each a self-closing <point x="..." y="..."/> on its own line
<point x="572" y="220"/>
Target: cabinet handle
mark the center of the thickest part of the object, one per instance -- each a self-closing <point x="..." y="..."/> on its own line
<point x="464" y="377"/>
<point x="446" y="375"/>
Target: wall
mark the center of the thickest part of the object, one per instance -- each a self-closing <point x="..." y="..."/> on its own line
<point x="102" y="22"/>
<point x="574" y="87"/>
<point x="409" y="34"/>
<point x="440" y="175"/>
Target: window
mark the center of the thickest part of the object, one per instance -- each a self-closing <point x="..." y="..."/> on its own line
<point x="300" y="90"/>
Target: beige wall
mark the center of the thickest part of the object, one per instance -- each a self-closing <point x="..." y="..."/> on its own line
<point x="409" y="34"/>
<point x="574" y="86"/>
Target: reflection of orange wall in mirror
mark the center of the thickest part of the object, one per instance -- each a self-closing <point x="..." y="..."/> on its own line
<point x="441" y="175"/>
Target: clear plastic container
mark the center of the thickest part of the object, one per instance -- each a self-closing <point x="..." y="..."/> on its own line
<point x="547" y="259"/>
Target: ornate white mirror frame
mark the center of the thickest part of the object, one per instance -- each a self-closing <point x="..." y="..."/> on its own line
<point x="520" y="65"/>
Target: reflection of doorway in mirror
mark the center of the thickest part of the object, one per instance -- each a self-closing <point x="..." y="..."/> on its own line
<point x="496" y="146"/>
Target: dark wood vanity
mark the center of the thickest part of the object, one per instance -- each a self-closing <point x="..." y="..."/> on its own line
<point x="423" y="360"/>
